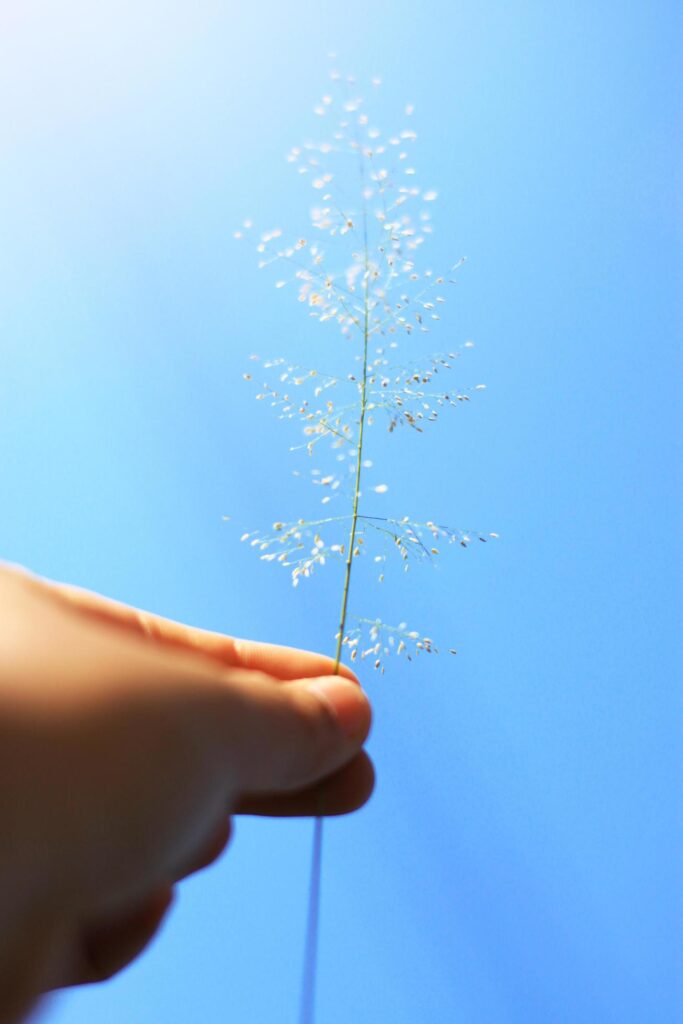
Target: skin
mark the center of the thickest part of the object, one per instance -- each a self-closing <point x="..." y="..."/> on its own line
<point x="126" y="742"/>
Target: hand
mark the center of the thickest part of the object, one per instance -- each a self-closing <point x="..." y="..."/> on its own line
<point x="126" y="740"/>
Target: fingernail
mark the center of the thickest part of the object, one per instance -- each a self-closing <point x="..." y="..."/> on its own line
<point x="348" y="703"/>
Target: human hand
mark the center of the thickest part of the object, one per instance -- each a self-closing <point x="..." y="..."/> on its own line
<point x="126" y="740"/>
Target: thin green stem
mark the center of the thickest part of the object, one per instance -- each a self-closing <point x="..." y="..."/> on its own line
<point x="359" y="470"/>
<point x="307" y="1005"/>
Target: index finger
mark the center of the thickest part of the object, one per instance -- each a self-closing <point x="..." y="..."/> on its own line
<point x="280" y="662"/>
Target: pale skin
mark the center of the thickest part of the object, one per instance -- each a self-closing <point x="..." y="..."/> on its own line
<point x="126" y="742"/>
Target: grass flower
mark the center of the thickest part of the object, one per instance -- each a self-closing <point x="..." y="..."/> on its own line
<point x="356" y="269"/>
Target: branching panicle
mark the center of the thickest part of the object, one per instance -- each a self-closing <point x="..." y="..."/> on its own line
<point x="359" y="271"/>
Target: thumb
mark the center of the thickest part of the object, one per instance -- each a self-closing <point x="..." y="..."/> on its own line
<point x="279" y="737"/>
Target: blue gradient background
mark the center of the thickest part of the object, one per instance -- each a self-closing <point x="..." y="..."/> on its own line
<point x="520" y="861"/>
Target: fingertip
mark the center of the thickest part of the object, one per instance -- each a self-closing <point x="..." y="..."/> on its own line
<point x="286" y="737"/>
<point x="343" y="792"/>
<point x="349" y="674"/>
<point x="347" y="702"/>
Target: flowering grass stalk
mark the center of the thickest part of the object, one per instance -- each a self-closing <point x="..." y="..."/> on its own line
<point x="359" y="463"/>
<point x="361" y="277"/>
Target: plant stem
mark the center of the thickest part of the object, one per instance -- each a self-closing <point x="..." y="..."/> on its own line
<point x="359" y="470"/>
<point x="307" y="1005"/>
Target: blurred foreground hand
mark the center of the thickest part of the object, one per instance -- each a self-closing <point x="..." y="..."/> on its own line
<point x="126" y="741"/>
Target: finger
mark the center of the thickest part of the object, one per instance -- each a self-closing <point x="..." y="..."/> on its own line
<point x="280" y="662"/>
<point x="283" y="738"/>
<point x="345" y="791"/>
<point x="285" y="663"/>
<point x="106" y="948"/>
<point x="208" y="852"/>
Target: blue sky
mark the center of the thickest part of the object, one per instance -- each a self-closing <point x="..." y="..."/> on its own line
<point x="520" y="860"/>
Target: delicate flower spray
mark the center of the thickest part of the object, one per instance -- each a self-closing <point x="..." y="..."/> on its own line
<point x="357" y="271"/>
